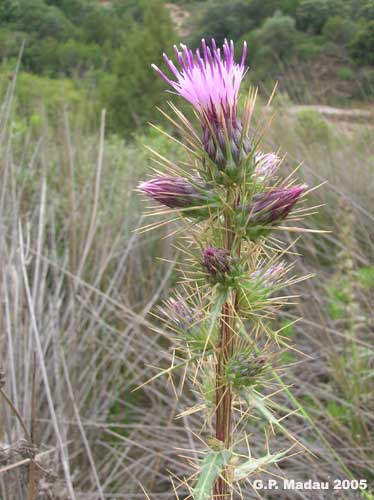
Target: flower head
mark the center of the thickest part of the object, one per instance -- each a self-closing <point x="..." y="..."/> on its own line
<point x="180" y="313"/>
<point x="270" y="276"/>
<point x="265" y="165"/>
<point x="175" y="192"/>
<point x="273" y="206"/>
<point x="246" y="369"/>
<point x="210" y="80"/>
<point x="217" y="262"/>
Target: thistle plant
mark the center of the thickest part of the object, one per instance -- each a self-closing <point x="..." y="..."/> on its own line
<point x="228" y="197"/>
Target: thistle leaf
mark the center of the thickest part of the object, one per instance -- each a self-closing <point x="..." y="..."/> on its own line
<point x="253" y="464"/>
<point x="210" y="469"/>
<point x="260" y="405"/>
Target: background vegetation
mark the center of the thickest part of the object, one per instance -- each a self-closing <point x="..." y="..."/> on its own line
<point x="315" y="48"/>
<point x="78" y="282"/>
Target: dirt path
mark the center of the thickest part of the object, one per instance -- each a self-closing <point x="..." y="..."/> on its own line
<point x="340" y="114"/>
<point x="179" y="16"/>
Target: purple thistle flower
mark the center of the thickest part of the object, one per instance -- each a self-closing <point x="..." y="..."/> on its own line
<point x="273" y="206"/>
<point x="266" y="164"/>
<point x="217" y="262"/>
<point x="175" y="192"/>
<point x="210" y="81"/>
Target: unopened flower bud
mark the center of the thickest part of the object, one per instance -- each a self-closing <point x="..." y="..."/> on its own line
<point x="176" y="192"/>
<point x="270" y="276"/>
<point x="180" y="313"/>
<point x="244" y="370"/>
<point x="217" y="262"/>
<point x="265" y="166"/>
<point x="273" y="206"/>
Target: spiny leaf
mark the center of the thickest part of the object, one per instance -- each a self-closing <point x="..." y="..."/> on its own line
<point x="260" y="405"/>
<point x="243" y="470"/>
<point x="210" y="469"/>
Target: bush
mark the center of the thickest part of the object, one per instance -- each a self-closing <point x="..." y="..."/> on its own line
<point x="345" y="73"/>
<point x="227" y="20"/>
<point x="339" y="30"/>
<point x="271" y="45"/>
<point x="33" y="16"/>
<point x="78" y="57"/>
<point x="51" y="22"/>
<point x="308" y="47"/>
<point x="366" y="277"/>
<point x="42" y="57"/>
<point x="10" y="43"/>
<point x="362" y="47"/>
<point x="366" y="78"/>
<point x="135" y="90"/>
<point x="74" y="10"/>
<point x="53" y="93"/>
<point x="100" y="27"/>
<point x="278" y="34"/>
<point x="311" y="15"/>
<point x="367" y="11"/>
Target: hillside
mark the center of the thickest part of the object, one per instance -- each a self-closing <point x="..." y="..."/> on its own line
<point x="320" y="51"/>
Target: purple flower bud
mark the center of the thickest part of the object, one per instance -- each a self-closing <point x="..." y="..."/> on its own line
<point x="269" y="276"/>
<point x="266" y="164"/>
<point x="273" y="206"/>
<point x="175" y="192"/>
<point x="210" y="80"/>
<point x="217" y="262"/>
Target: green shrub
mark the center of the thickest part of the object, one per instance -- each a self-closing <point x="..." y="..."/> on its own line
<point x="135" y="89"/>
<point x="311" y="15"/>
<point x="100" y="26"/>
<point x="337" y="411"/>
<point x="76" y="56"/>
<point x="339" y="296"/>
<point x="33" y="16"/>
<point x="45" y="93"/>
<point x="346" y="74"/>
<point x="366" y="78"/>
<point x="367" y="11"/>
<point x="339" y="30"/>
<point x="362" y="47"/>
<point x="308" y="47"/>
<point x="225" y="20"/>
<point x="365" y="277"/>
<point x="10" y="42"/>
<point x="278" y="34"/>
